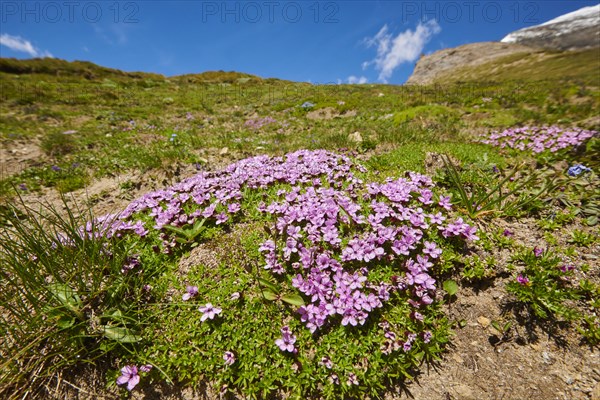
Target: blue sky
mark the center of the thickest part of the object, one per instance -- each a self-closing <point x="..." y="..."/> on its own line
<point x="316" y="41"/>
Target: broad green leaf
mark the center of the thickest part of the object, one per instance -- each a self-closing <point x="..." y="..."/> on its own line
<point x="268" y="284"/>
<point x="114" y="315"/>
<point x="119" y="334"/>
<point x="198" y="227"/>
<point x="177" y="230"/>
<point x="293" y="299"/>
<point x="65" y="322"/>
<point x="269" y="295"/>
<point x="67" y="297"/>
<point x="451" y="287"/>
<point x="65" y="294"/>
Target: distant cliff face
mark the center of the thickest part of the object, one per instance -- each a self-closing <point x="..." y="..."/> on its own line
<point x="573" y="31"/>
<point x="577" y="30"/>
<point x="442" y="62"/>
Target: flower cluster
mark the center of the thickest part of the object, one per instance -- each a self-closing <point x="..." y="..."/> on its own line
<point x="332" y="233"/>
<point x="217" y="196"/>
<point x="332" y="229"/>
<point x="539" y="138"/>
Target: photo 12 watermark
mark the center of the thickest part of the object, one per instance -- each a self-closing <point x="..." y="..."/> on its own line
<point x="470" y="11"/>
<point x="51" y="12"/>
<point x="252" y="12"/>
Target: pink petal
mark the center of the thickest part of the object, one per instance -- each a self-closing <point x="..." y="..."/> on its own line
<point x="132" y="382"/>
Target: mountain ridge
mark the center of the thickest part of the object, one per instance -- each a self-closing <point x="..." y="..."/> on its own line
<point x="575" y="34"/>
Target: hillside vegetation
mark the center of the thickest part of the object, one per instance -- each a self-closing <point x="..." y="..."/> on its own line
<point x="540" y="65"/>
<point x="225" y="235"/>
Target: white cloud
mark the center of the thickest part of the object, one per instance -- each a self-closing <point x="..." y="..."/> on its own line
<point x="17" y="43"/>
<point x="353" y="80"/>
<point x="405" y="47"/>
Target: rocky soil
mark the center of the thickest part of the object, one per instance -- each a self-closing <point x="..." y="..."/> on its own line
<point x="430" y="67"/>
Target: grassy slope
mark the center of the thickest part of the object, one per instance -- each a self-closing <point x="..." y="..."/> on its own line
<point x="123" y="121"/>
<point x="127" y="121"/>
<point x="541" y="65"/>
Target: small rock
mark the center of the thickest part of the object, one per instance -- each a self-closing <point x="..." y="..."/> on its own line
<point x="464" y="392"/>
<point x="547" y="357"/>
<point x="355" y="137"/>
<point x="457" y="358"/>
<point x="224" y="151"/>
<point x="483" y="321"/>
<point x="595" y="394"/>
<point x="536" y="346"/>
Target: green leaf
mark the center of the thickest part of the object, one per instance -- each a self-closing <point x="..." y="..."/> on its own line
<point x="65" y="322"/>
<point x="293" y="299"/>
<point x="115" y="316"/>
<point x="269" y="295"/>
<point x="65" y="294"/>
<point x="107" y="346"/>
<point x="268" y="284"/>
<point x="177" y="230"/>
<point x="496" y="326"/>
<point x="198" y="227"/>
<point x="451" y="287"/>
<point x="592" y="220"/>
<point x="119" y="334"/>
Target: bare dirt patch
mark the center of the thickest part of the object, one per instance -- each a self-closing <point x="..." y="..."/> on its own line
<point x="329" y="113"/>
<point x="18" y="155"/>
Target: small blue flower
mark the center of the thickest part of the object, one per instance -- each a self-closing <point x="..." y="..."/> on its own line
<point x="307" y="104"/>
<point x="578" y="169"/>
